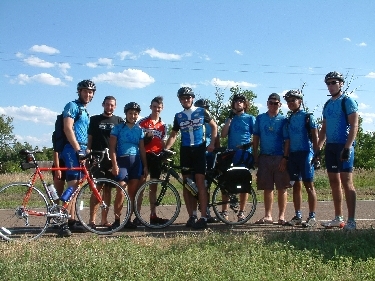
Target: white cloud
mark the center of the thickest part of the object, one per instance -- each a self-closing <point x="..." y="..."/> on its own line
<point x="101" y="62"/>
<point x="33" y="114"/>
<point x="129" y="78"/>
<point x="363" y="44"/>
<point x="346" y="39"/>
<point x="43" y="78"/>
<point x="164" y="56"/>
<point x="370" y="75"/>
<point x="229" y="83"/>
<point x="124" y="54"/>
<point x="363" y="106"/>
<point x="368" y="118"/>
<point x="35" y="61"/>
<point x="44" y="49"/>
<point x="238" y="52"/>
<point x="64" y="67"/>
<point x="353" y="95"/>
<point x="188" y="85"/>
<point x="19" y="55"/>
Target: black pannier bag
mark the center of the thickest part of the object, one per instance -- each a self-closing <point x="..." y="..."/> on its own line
<point x="236" y="180"/>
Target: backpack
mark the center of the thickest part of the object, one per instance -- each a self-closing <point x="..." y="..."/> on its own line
<point x="59" y="140"/>
<point x="307" y="124"/>
<point x="344" y="98"/>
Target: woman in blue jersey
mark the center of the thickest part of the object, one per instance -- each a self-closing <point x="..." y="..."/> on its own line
<point x="127" y="153"/>
<point x="300" y="126"/>
<point x="238" y="128"/>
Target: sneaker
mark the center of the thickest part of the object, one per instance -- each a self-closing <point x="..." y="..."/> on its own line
<point x="350" y="225"/>
<point x="310" y="222"/>
<point x="212" y="220"/>
<point x="336" y="222"/>
<point x="130" y="225"/>
<point x="191" y="221"/>
<point x="241" y="216"/>
<point x="114" y="225"/>
<point x="157" y="220"/>
<point x="137" y="222"/>
<point x="294" y="221"/>
<point x="200" y="224"/>
<point x="224" y="215"/>
<point x="64" y="231"/>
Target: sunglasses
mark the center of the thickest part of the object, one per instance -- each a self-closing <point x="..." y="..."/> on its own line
<point x="273" y="103"/>
<point x="185" y="98"/>
<point x="290" y="101"/>
<point x="240" y="100"/>
<point x="332" y="83"/>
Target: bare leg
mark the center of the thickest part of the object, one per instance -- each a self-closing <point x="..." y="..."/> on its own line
<point x="268" y="201"/>
<point x="334" y="181"/>
<point x="350" y="193"/>
<point x="282" y="199"/>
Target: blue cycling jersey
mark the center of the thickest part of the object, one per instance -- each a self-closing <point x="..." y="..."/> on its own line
<point x="127" y="139"/>
<point x="271" y="132"/>
<point x="80" y="127"/>
<point x="297" y="131"/>
<point x="240" y="130"/>
<point x="337" y="129"/>
<point x="191" y="123"/>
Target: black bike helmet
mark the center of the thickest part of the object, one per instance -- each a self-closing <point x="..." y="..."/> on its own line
<point x="185" y="91"/>
<point x="238" y="97"/>
<point x="293" y="93"/>
<point x="86" y="84"/>
<point x="202" y="103"/>
<point x="334" y="75"/>
<point x="132" y="105"/>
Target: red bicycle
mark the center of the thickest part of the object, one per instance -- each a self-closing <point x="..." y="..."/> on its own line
<point x="26" y="212"/>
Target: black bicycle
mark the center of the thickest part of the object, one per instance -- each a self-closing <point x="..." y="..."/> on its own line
<point x="233" y="199"/>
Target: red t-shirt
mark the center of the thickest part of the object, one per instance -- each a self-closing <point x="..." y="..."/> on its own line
<point x="159" y="132"/>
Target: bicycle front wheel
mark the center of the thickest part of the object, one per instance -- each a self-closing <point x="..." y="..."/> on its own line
<point x="98" y="218"/>
<point x="227" y="206"/>
<point x="23" y="212"/>
<point x="158" y="197"/>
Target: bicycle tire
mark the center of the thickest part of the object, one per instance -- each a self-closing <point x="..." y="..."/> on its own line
<point x="233" y="201"/>
<point x="84" y="207"/>
<point x="168" y="206"/>
<point x="16" y="220"/>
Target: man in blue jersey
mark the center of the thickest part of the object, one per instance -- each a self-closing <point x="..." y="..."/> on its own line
<point x="239" y="128"/>
<point x="339" y="130"/>
<point x="271" y="136"/>
<point x="76" y="133"/>
<point x="191" y="122"/>
<point x="300" y="127"/>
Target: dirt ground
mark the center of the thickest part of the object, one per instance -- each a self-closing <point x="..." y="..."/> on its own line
<point x="365" y="218"/>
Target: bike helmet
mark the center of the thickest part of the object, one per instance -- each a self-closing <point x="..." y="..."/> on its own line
<point x="185" y="91"/>
<point x="238" y="97"/>
<point x="334" y="75"/>
<point x="202" y="103"/>
<point x="132" y="105"/>
<point x="293" y="93"/>
<point x="86" y="84"/>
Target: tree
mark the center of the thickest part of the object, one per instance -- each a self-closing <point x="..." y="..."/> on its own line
<point x="364" y="148"/>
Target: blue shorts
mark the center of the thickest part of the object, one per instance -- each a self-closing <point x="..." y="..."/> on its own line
<point x="299" y="166"/>
<point x="130" y="168"/>
<point x="332" y="158"/>
<point x="69" y="156"/>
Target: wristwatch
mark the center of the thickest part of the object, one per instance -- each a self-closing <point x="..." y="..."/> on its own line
<point x="286" y="157"/>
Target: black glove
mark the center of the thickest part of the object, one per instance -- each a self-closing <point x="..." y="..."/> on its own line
<point x="345" y="154"/>
<point x="81" y="154"/>
<point x="148" y="138"/>
<point x="231" y="114"/>
<point x="315" y="159"/>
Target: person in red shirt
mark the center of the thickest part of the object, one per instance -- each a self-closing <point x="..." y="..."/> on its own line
<point x="155" y="136"/>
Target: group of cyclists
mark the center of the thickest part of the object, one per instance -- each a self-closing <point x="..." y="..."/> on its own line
<point x="285" y="150"/>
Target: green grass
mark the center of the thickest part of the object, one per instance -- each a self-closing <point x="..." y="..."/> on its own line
<point x="314" y="255"/>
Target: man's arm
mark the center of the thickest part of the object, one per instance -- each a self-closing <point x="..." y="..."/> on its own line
<point x="353" y="122"/>
<point x="213" y="126"/>
<point x="69" y="133"/>
<point x="322" y="135"/>
<point x="171" y="139"/>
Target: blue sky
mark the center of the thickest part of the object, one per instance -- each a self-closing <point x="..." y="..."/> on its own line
<point x="135" y="50"/>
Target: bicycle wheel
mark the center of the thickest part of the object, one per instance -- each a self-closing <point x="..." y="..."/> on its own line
<point x="23" y="212"/>
<point x="102" y="220"/>
<point x="227" y="206"/>
<point x="167" y="203"/>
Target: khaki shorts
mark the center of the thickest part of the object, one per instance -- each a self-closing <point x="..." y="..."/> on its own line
<point x="268" y="174"/>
